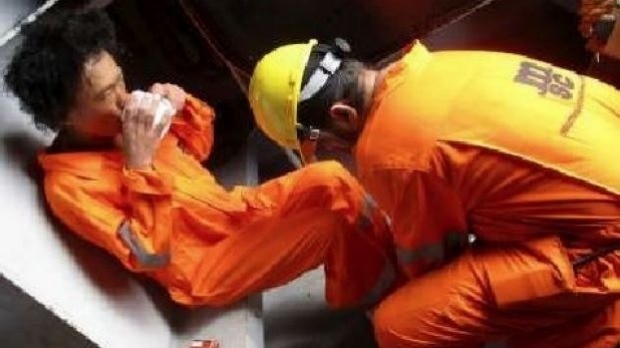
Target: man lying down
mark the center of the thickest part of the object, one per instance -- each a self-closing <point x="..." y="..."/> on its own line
<point x="124" y="172"/>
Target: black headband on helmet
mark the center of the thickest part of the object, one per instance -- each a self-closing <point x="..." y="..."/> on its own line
<point x="329" y="64"/>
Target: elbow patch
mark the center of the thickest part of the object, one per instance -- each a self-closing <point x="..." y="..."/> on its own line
<point x="146" y="260"/>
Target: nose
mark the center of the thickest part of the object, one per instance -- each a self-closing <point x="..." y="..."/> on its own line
<point x="122" y="99"/>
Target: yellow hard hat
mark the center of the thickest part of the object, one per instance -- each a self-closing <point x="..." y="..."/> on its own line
<point x="274" y="92"/>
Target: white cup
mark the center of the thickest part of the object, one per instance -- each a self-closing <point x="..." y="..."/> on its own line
<point x="164" y="113"/>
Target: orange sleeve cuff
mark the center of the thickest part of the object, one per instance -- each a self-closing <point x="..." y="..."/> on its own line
<point x="194" y="127"/>
<point x="150" y="182"/>
<point x="199" y="112"/>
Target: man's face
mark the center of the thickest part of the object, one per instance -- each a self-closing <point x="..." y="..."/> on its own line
<point x="100" y="99"/>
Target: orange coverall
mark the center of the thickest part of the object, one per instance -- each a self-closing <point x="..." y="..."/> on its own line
<point x="208" y="246"/>
<point x="524" y="156"/>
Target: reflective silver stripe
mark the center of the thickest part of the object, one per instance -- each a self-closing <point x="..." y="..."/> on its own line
<point x="388" y="220"/>
<point x="385" y="281"/>
<point x="144" y="258"/>
<point x="327" y="68"/>
<point x="427" y="252"/>
<point x="370" y="203"/>
<point x="365" y="220"/>
<point x="388" y="275"/>
<point x="433" y="252"/>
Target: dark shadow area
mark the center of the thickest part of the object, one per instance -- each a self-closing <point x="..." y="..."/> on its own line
<point x="361" y="334"/>
<point x="539" y="29"/>
<point x="21" y="152"/>
<point x="606" y="69"/>
<point x="272" y="161"/>
<point x="354" y="329"/>
<point x="26" y="323"/>
<point x="245" y="30"/>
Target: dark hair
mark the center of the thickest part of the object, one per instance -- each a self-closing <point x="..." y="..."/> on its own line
<point x="344" y="85"/>
<point x="46" y="69"/>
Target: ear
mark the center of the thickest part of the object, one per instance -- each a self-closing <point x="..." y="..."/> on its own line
<point x="344" y="116"/>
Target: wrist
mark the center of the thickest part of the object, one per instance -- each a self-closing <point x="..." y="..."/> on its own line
<point x="139" y="164"/>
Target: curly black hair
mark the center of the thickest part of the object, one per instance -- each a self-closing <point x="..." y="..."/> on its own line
<point x="46" y="69"/>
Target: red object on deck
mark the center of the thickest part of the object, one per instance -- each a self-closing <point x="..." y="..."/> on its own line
<point x="205" y="344"/>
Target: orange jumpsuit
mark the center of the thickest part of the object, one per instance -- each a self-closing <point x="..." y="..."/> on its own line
<point x="208" y="246"/>
<point x="522" y="155"/>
